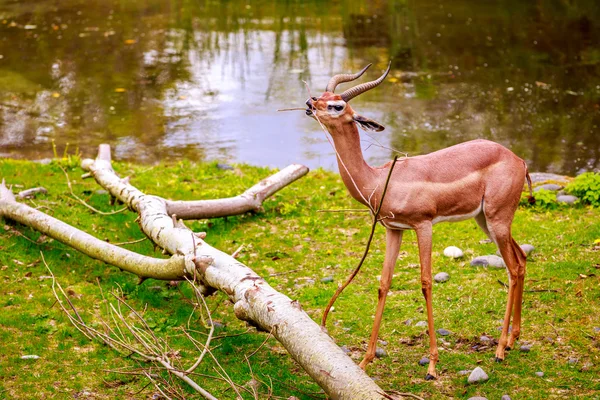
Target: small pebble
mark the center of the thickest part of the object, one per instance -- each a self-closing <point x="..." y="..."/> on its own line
<point x="597" y="329"/>
<point x="573" y="360"/>
<point x="505" y="397"/>
<point x="383" y="342"/>
<point x="567" y="199"/>
<point x="477" y="398"/>
<point x="30" y="357"/>
<point x="465" y="372"/>
<point x="408" y="322"/>
<point x="101" y="191"/>
<point x="443" y="332"/>
<point x="477" y="375"/>
<point x="380" y="353"/>
<point x="327" y="279"/>
<point x="441" y="277"/>
<point x="421" y="323"/>
<point x="453" y="252"/>
<point x="539" y="373"/>
<point x="484" y="339"/>
<point x="525" y="348"/>
<point x="491" y="261"/>
<point x="424" y="361"/>
<point x="345" y="349"/>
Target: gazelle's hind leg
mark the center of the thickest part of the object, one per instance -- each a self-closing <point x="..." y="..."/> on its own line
<point x="498" y="223"/>
<point x="521" y="262"/>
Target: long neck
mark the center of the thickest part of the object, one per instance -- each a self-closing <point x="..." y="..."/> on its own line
<point x="357" y="175"/>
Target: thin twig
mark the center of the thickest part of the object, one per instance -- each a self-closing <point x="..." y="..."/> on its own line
<point x="130" y="242"/>
<point x="84" y="202"/>
<point x="340" y="289"/>
<point x="347" y="210"/>
<point x="532" y="290"/>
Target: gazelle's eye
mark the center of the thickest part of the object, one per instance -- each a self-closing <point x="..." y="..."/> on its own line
<point x="338" y="108"/>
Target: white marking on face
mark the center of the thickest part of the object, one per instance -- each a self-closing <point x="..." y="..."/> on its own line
<point x="335" y="108"/>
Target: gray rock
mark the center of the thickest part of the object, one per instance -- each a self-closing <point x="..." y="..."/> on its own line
<point x="345" y="349"/>
<point x="101" y="191"/>
<point x="505" y="397"/>
<point x="485" y="339"/>
<point x="424" y="361"/>
<point x="567" y="199"/>
<point x="573" y="360"/>
<point x="453" y="252"/>
<point x="327" y="279"/>
<point x="525" y="348"/>
<point x="443" y="332"/>
<point x="548" y="186"/>
<point x="218" y="325"/>
<point x="540" y="374"/>
<point x="441" y="277"/>
<point x="465" y="372"/>
<point x="408" y="322"/>
<point x="539" y="177"/>
<point x="225" y="167"/>
<point x="477" y="398"/>
<point x="380" y="353"/>
<point x="527" y="248"/>
<point x="383" y="342"/>
<point x="478" y="375"/>
<point x="491" y="261"/>
<point x="421" y="323"/>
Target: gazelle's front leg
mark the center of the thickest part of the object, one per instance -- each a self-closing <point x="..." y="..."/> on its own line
<point x="392" y="248"/>
<point x="424" y="241"/>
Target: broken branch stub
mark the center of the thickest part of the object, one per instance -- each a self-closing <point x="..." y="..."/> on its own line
<point x="255" y="301"/>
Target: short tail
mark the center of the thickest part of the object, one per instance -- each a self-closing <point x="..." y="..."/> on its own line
<point x="530" y="199"/>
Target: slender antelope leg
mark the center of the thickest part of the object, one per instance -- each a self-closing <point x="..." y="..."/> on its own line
<point x="518" y="302"/>
<point x="501" y="234"/>
<point x="424" y="240"/>
<point x="392" y="248"/>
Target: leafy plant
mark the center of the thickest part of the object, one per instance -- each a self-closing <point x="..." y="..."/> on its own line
<point x="544" y="199"/>
<point x="587" y="187"/>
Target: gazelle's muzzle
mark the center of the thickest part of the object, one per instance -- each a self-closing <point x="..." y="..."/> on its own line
<point x="311" y="108"/>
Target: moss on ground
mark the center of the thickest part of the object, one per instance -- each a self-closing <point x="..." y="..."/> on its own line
<point x="294" y="245"/>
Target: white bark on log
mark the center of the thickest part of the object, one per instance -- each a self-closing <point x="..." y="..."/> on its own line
<point x="250" y="200"/>
<point x="142" y="266"/>
<point x="255" y="301"/>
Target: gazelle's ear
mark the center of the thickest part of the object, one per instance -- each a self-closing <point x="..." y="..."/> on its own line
<point x="367" y="124"/>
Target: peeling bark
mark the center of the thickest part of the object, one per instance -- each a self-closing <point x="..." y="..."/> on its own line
<point x="254" y="300"/>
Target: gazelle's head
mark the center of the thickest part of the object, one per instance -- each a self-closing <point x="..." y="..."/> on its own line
<point x="333" y="110"/>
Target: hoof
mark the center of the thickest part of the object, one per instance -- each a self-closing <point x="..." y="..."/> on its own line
<point x="499" y="360"/>
<point x="507" y="348"/>
<point x="429" y="377"/>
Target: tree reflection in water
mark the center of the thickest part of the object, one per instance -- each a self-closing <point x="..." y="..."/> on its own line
<point x="161" y="80"/>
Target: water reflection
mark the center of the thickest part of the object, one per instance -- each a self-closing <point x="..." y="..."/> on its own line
<point x="202" y="79"/>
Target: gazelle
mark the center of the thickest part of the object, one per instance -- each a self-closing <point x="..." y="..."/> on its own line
<point x="477" y="179"/>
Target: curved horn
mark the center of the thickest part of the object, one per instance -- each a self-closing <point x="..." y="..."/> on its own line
<point x="356" y="90"/>
<point x="340" y="78"/>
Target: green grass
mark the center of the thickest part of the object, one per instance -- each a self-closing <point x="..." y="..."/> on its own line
<point x="309" y="245"/>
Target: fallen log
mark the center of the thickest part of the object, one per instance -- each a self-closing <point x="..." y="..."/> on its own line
<point x="255" y="301"/>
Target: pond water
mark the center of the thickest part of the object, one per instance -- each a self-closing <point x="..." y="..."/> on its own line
<point x="162" y="80"/>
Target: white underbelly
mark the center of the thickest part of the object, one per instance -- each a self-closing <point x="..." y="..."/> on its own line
<point x="457" y="217"/>
<point x="444" y="218"/>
